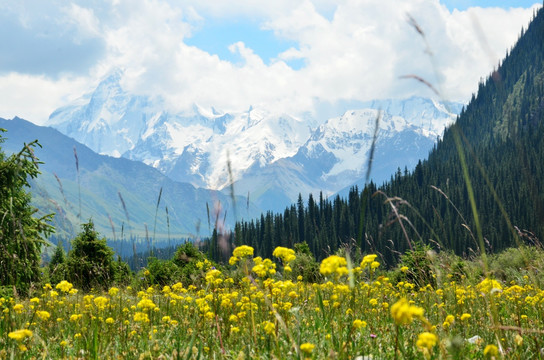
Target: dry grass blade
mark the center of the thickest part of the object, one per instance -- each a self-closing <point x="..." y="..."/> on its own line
<point x="112" y="227"/>
<point x="156" y="213"/>
<point x="78" y="182"/>
<point x="365" y="194"/>
<point x="390" y="201"/>
<point x="421" y="80"/>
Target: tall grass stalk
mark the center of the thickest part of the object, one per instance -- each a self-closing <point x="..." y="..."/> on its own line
<point x="155" y="221"/>
<point x="365" y="194"/>
<point x="78" y="184"/>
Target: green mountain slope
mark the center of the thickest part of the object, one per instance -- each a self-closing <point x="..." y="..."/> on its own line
<point x="502" y="134"/>
<point x="102" y="179"/>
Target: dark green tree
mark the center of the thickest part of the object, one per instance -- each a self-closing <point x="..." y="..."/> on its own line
<point x="57" y="265"/>
<point x="21" y="233"/>
<point x="90" y="263"/>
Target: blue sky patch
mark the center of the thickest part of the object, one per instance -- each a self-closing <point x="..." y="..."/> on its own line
<point x="215" y="37"/>
<point x="464" y="4"/>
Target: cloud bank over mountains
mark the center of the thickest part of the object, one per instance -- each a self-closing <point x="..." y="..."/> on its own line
<point x="299" y="57"/>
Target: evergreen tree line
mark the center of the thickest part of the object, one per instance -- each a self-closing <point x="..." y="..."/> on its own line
<point x="501" y="132"/>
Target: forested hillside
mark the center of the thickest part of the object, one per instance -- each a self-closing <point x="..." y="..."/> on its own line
<point x="502" y="134"/>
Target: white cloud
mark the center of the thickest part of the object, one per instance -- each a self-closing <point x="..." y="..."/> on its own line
<point x="86" y="23"/>
<point x="33" y="98"/>
<point x="352" y="50"/>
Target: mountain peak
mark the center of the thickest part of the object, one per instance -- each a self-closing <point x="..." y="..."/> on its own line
<point x="209" y="148"/>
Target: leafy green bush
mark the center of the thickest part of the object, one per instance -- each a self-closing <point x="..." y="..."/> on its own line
<point x="188" y="266"/>
<point x="305" y="264"/>
<point x="90" y="263"/>
<point x="419" y="263"/>
<point x="514" y="263"/>
<point x="162" y="272"/>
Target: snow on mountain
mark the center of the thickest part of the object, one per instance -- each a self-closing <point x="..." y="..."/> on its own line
<point x="335" y="156"/>
<point x="410" y="125"/>
<point x="195" y="146"/>
<point x="271" y="156"/>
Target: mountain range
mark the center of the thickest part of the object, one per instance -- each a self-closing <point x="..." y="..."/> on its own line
<point x="269" y="157"/>
<point x="124" y="198"/>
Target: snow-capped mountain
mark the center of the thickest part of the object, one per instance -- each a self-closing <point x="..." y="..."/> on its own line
<point x="336" y="154"/>
<point x="271" y="156"/>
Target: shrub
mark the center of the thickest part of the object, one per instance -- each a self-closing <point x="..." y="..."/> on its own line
<point x="162" y="272"/>
<point x="419" y="262"/>
<point x="514" y="263"/>
<point x="305" y="264"/>
<point x="90" y="262"/>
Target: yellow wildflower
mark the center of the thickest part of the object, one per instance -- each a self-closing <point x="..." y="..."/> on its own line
<point x="113" y="291"/>
<point x="403" y="312"/>
<point x="101" y="302"/>
<point x="243" y="251"/>
<point x="307" y="348"/>
<point x="44" y="315"/>
<point x="489" y="286"/>
<point x="269" y="328"/>
<point x="491" y="351"/>
<point x="20" y="335"/>
<point x="357" y="324"/>
<point x="141" y="317"/>
<point x="146" y="304"/>
<point x="334" y="264"/>
<point x="426" y="340"/>
<point x="285" y="254"/>
<point x="367" y="260"/>
<point x="18" y="308"/>
<point x="64" y="286"/>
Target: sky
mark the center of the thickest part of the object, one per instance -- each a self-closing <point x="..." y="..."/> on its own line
<point x="303" y="57"/>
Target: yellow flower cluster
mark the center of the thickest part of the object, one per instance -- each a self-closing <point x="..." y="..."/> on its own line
<point x="20" y="335"/>
<point x="488" y="286"/>
<point x="43" y="315"/>
<point x="334" y="265"/>
<point x="403" y="312"/>
<point x="426" y="340"/>
<point x="307" y="348"/>
<point x="264" y="267"/>
<point x="64" y="286"/>
<point x="368" y="260"/>
<point x="146" y="304"/>
<point x="358" y="324"/>
<point x="448" y="321"/>
<point x="240" y="252"/>
<point x="101" y="302"/>
<point x="213" y="276"/>
<point x="285" y="254"/>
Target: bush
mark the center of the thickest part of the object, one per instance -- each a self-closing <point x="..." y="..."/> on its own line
<point x="305" y="264"/>
<point x="514" y="263"/>
<point x="90" y="262"/>
<point x="419" y="262"/>
<point x="162" y="272"/>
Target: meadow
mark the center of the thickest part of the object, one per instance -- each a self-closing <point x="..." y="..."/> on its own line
<point x="254" y="308"/>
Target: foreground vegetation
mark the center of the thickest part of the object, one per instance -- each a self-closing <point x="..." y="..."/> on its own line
<point x="258" y="308"/>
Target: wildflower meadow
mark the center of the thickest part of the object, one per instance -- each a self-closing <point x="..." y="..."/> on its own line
<point x="254" y="309"/>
